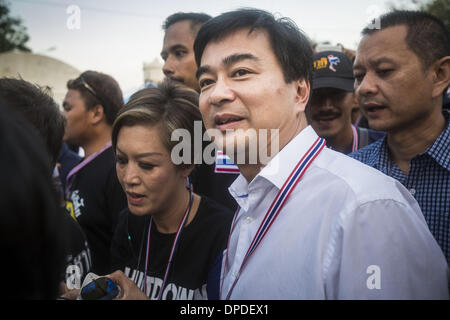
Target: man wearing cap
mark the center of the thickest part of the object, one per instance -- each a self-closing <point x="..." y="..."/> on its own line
<point x="332" y="103"/>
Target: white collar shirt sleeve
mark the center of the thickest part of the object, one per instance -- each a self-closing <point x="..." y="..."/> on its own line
<point x="346" y="232"/>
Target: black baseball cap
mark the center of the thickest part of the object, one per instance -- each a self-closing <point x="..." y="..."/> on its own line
<point x="333" y="69"/>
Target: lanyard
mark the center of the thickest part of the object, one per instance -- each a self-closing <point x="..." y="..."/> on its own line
<point x="81" y="165"/>
<point x="174" y="245"/>
<point x="355" y="139"/>
<point x="275" y="208"/>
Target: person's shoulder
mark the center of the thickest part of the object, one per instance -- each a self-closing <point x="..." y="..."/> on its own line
<point x="104" y="164"/>
<point x="214" y="210"/>
<point x="369" y="152"/>
<point x="107" y="156"/>
<point x="357" y="180"/>
<point x="375" y="135"/>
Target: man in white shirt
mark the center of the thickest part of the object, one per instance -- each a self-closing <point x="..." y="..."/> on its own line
<point x="313" y="223"/>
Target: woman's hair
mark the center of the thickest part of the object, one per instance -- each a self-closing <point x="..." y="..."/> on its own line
<point x="170" y="106"/>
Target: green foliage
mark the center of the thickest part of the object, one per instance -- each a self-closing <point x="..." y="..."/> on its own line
<point x="13" y="35"/>
<point x="438" y="8"/>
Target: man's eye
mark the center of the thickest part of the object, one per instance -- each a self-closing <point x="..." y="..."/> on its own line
<point x="205" y="82"/>
<point x="358" y="77"/>
<point x="384" y="72"/>
<point x="240" y="73"/>
<point x="180" y="53"/>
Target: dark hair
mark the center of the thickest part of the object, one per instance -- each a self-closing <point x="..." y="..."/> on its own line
<point x="197" y="20"/>
<point x="38" y="108"/>
<point x="290" y="45"/>
<point x="99" y="89"/>
<point x="426" y="35"/>
<point x="171" y="106"/>
<point x="32" y="231"/>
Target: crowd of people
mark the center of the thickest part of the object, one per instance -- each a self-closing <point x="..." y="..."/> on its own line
<point x="354" y="202"/>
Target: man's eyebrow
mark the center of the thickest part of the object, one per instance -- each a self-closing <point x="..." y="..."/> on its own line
<point x="173" y="48"/>
<point x="228" y="61"/>
<point x="375" y="63"/>
<point x="237" y="57"/>
<point x="382" y="60"/>
<point x="201" y="70"/>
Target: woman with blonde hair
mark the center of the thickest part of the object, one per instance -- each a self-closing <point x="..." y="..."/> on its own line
<point x="169" y="240"/>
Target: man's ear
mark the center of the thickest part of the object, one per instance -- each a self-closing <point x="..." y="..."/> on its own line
<point x="303" y="90"/>
<point x="97" y="114"/>
<point x="441" y="73"/>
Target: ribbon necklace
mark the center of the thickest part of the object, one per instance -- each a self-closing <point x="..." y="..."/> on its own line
<point x="274" y="209"/>
<point x="174" y="245"/>
<point x="82" y="164"/>
<point x="355" y="139"/>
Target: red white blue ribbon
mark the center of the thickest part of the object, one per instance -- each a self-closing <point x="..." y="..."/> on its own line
<point x="355" y="139"/>
<point x="275" y="208"/>
<point x="174" y="245"/>
<point x="224" y="164"/>
<point x="79" y="166"/>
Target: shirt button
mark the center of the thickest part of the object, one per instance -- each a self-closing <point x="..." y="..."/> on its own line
<point x="413" y="191"/>
<point x="235" y="274"/>
<point x="248" y="220"/>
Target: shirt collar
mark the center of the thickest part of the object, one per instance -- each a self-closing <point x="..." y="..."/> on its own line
<point x="379" y="157"/>
<point x="440" y="149"/>
<point x="277" y="170"/>
<point x="280" y="167"/>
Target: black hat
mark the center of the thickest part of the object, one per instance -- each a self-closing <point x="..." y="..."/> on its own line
<point x="333" y="69"/>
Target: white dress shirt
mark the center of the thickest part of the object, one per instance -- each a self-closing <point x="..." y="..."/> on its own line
<point x="347" y="231"/>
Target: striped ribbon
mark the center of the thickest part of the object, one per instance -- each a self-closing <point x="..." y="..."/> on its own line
<point x="82" y="164"/>
<point x="355" y="139"/>
<point x="224" y="164"/>
<point x="275" y="208"/>
<point x="174" y="245"/>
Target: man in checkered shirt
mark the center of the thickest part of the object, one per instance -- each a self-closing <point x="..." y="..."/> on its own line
<point x="402" y="71"/>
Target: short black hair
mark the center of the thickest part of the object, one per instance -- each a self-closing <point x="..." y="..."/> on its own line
<point x="290" y="45"/>
<point x="32" y="229"/>
<point x="426" y="35"/>
<point x="197" y="20"/>
<point x="98" y="88"/>
<point x="36" y="105"/>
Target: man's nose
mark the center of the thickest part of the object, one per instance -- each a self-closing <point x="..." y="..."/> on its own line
<point x="221" y="92"/>
<point x="169" y="67"/>
<point x="367" y="86"/>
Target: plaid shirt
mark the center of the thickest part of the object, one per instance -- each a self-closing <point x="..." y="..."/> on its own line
<point x="428" y="180"/>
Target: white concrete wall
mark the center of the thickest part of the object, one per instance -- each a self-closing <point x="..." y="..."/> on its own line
<point x="39" y="69"/>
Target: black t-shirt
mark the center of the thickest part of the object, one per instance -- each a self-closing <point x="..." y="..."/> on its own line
<point x="96" y="199"/>
<point x="200" y="244"/>
<point x="78" y="256"/>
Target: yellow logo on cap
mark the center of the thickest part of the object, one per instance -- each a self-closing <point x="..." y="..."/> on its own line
<point x="321" y="64"/>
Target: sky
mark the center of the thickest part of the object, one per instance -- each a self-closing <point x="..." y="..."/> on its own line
<point x="117" y="37"/>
